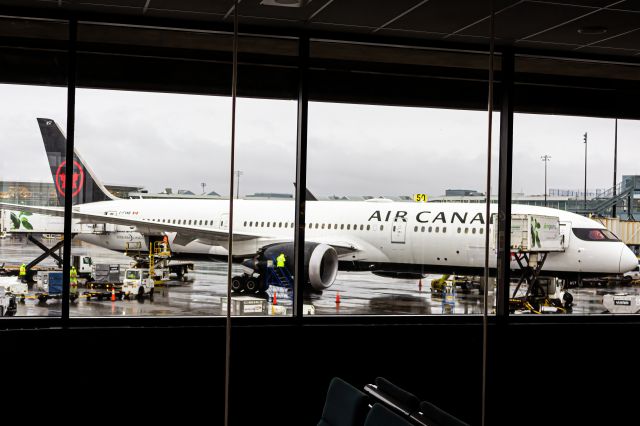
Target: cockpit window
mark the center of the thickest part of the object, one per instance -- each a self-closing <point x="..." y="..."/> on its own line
<point x="588" y="234"/>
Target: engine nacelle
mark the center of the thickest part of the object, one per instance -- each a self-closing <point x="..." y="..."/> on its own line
<point x="320" y="262"/>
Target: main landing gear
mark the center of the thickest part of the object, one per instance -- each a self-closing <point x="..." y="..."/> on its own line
<point x="248" y="284"/>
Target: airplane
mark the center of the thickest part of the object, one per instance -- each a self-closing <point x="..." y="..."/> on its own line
<point x="387" y="238"/>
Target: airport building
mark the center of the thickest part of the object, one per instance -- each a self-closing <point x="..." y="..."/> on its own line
<point x="255" y="301"/>
<point x="44" y="193"/>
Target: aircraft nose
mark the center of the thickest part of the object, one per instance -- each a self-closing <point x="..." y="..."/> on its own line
<point x="628" y="260"/>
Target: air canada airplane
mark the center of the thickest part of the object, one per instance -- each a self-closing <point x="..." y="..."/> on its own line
<point x="394" y="239"/>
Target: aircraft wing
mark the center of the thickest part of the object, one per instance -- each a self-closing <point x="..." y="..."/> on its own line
<point x="185" y="233"/>
<point x="343" y="247"/>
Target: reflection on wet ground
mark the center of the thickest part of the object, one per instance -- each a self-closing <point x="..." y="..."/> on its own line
<point x="359" y="293"/>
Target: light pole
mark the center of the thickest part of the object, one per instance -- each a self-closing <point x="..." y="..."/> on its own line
<point x="238" y="174"/>
<point x="585" y="172"/>
<point x="203" y="185"/>
<point x="546" y="159"/>
<point x="615" y="169"/>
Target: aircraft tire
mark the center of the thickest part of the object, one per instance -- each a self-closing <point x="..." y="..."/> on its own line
<point x="251" y="286"/>
<point x="568" y="299"/>
<point x="237" y="284"/>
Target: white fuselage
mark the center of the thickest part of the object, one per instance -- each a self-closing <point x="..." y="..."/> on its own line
<point x="427" y="234"/>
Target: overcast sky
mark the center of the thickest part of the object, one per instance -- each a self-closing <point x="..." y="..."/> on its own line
<point x="179" y="141"/>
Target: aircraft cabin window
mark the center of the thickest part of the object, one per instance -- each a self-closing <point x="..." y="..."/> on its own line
<point x="381" y="227"/>
<point x="422" y="229"/>
<point x="310" y="225"/>
<point x="368" y="227"/>
<point x="348" y="227"/>
<point x="262" y="224"/>
<point x="268" y="223"/>
<point x="342" y="226"/>
<point x="292" y="225"/>
<point x="316" y="226"/>
<point x="444" y="229"/>
<point x="415" y="229"/>
<point x="459" y="230"/>
<point x="437" y="229"/>
<point x="430" y="229"/>
<point x="286" y="224"/>
<point x="481" y="230"/>
<point x="245" y="223"/>
<point x="361" y="227"/>
<point x="323" y="226"/>
<point x="466" y="230"/>
<point x="280" y="225"/>
<point x="274" y="224"/>
<point x="179" y="221"/>
<point x="473" y="230"/>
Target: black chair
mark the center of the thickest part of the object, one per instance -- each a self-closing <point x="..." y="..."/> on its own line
<point x="380" y="415"/>
<point x="433" y="415"/>
<point x="393" y="397"/>
<point x="408" y="400"/>
<point x="345" y="405"/>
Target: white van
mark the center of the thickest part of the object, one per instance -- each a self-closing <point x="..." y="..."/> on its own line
<point x="137" y="282"/>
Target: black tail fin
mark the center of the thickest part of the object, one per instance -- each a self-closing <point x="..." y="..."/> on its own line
<point x="86" y="188"/>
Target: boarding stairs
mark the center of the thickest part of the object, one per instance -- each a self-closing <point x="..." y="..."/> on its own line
<point x="279" y="277"/>
<point x="602" y="203"/>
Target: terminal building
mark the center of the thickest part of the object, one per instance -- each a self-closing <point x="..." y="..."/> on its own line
<point x="354" y="97"/>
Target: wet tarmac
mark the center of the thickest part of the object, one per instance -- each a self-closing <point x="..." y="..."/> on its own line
<point x="200" y="294"/>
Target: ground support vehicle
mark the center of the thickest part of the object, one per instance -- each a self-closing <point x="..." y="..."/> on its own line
<point x="8" y="305"/>
<point x="50" y="284"/>
<point x="138" y="283"/>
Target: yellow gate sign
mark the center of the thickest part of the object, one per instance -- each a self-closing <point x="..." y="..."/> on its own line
<point x="420" y="198"/>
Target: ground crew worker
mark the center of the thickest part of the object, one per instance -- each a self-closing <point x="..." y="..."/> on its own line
<point x="165" y="243"/>
<point x="23" y="272"/>
<point x="280" y="260"/>
<point x="73" y="281"/>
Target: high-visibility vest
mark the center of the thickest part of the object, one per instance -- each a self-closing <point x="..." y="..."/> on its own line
<point x="23" y="270"/>
<point x="73" y="276"/>
<point x="280" y="260"/>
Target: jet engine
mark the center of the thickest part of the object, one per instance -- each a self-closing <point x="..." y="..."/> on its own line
<point x="320" y="262"/>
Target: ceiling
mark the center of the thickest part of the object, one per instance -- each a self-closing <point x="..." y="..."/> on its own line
<point x="601" y="27"/>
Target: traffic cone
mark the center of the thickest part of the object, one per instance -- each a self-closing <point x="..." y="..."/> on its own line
<point x="113" y="294"/>
<point x="337" y="298"/>
<point x="275" y="298"/>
